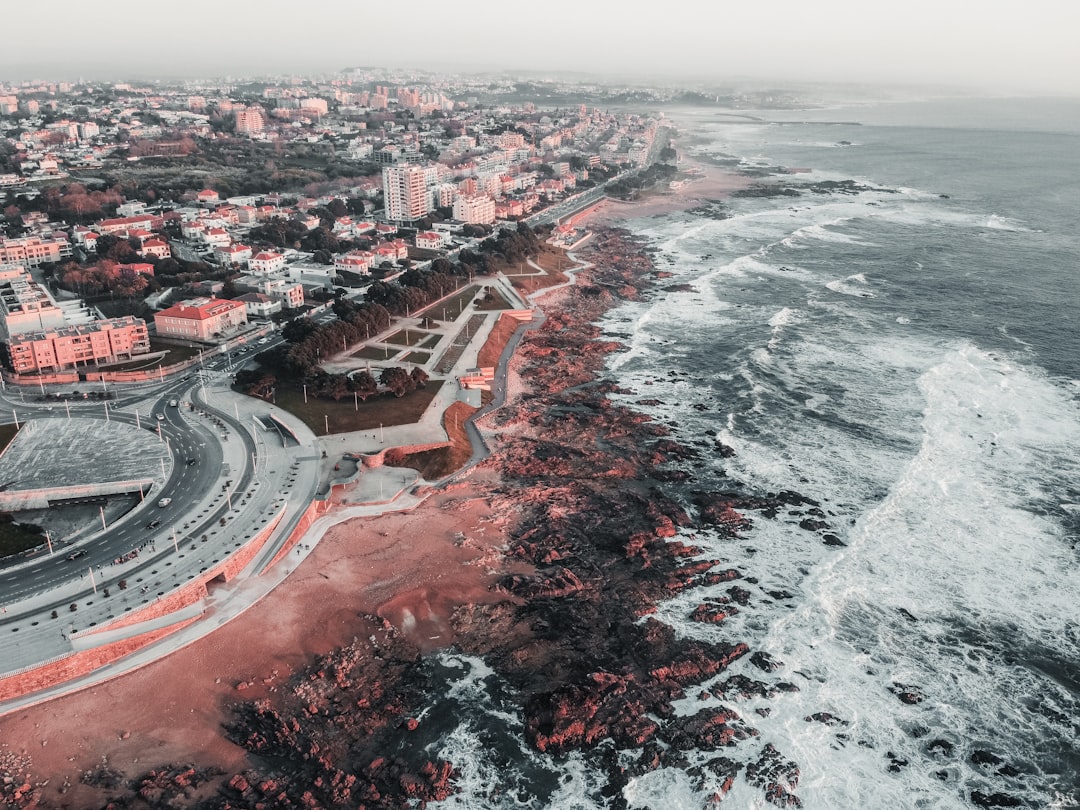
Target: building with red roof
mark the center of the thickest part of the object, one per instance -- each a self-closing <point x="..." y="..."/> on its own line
<point x="201" y="319"/>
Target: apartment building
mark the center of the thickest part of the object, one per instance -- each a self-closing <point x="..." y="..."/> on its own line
<point x="474" y="209"/>
<point x="78" y="345"/>
<point x="32" y="251"/>
<point x="405" y="193"/>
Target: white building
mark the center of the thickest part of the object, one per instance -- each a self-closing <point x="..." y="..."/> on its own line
<point x="405" y="193"/>
<point x="474" y="209"/>
<point x="266" y="261"/>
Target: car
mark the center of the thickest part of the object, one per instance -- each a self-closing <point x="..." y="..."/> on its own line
<point x="153" y="524"/>
<point x="172" y="403"/>
<point x="164" y="502"/>
<point x="160" y="417"/>
<point x="192" y="461"/>
<point x="76" y="554"/>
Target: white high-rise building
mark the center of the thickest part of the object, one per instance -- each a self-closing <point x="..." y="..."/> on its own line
<point x="405" y="192"/>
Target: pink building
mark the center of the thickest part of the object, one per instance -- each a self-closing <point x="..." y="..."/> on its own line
<point x="201" y="319"/>
<point x="155" y="247"/>
<point x="34" y="250"/>
<point x="357" y="261"/>
<point x="79" y="345"/>
<point x="147" y="222"/>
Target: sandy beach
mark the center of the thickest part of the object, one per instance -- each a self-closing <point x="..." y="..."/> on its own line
<point x="703" y="182"/>
<point x="411" y="569"/>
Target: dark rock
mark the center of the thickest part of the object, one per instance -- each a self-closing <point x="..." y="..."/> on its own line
<point x="765" y="662"/>
<point x="979" y="757"/>
<point x="911" y="695"/>
<point x="994" y="799"/>
<point x="826" y="718"/>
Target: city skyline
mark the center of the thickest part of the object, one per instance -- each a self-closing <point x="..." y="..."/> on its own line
<point x="1005" y="48"/>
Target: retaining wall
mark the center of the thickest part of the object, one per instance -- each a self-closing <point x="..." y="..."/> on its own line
<point x="81" y="663"/>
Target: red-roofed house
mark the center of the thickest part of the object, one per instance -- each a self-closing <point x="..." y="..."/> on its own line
<point x="429" y="240"/>
<point x="207" y="196"/>
<point x="146" y="221"/>
<point x="394" y="249"/>
<point x="232" y="254"/>
<point x="216" y="237"/>
<point x="155" y="247"/>
<point x="266" y="261"/>
<point x="357" y="261"/>
<point x="200" y="318"/>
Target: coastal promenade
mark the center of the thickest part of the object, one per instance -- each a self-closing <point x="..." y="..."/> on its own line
<point x="178" y="592"/>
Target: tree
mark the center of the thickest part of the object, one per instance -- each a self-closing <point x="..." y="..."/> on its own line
<point x="397" y="380"/>
<point x="362" y="384"/>
<point x="298" y="329"/>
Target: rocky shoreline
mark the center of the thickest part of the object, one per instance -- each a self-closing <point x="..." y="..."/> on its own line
<point x="593" y="543"/>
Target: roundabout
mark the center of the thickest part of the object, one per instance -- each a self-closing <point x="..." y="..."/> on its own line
<point x="149" y="501"/>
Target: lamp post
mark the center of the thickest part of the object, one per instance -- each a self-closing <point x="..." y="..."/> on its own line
<point x="326" y="423"/>
<point x="305" y="393"/>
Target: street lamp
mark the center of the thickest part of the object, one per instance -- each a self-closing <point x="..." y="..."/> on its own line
<point x="326" y="423"/>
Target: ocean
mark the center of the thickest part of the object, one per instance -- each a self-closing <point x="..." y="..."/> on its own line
<point x="897" y="338"/>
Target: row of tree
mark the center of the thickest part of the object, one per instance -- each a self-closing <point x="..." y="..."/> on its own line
<point x="323" y="385"/>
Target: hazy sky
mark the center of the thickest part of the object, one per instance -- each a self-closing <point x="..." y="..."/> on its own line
<point x="996" y="45"/>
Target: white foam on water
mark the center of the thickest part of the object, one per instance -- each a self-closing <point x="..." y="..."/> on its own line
<point x="785" y="317"/>
<point x="663" y="788"/>
<point x="953" y="540"/>
<point x="854" y="285"/>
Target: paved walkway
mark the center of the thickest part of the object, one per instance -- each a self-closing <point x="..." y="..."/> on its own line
<point x="280" y="483"/>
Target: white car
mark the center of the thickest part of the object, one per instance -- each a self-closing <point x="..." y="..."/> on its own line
<point x="164" y="502"/>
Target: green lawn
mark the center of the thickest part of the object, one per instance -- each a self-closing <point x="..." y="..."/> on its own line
<point x="417" y="358"/>
<point x="375" y="353"/>
<point x="7" y="433"/>
<point x="407" y="337"/>
<point x="344" y="417"/>
<point x="430" y="342"/>
<point x="449" y="308"/>
<point x="493" y="300"/>
<point x="176" y="353"/>
<point x="14" y="539"/>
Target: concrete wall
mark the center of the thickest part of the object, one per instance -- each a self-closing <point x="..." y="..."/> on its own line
<point x="18" y="499"/>
<point x="80" y="663"/>
<point x="315" y="508"/>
